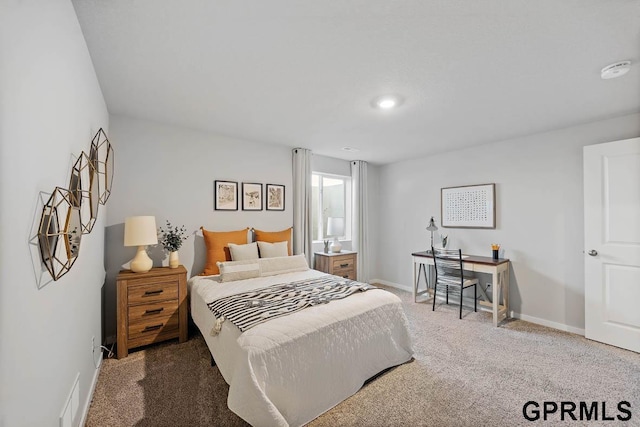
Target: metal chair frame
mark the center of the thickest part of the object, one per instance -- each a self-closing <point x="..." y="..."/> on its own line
<point x="445" y="261"/>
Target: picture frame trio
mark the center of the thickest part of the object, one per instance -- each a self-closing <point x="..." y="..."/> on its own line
<point x="226" y="196"/>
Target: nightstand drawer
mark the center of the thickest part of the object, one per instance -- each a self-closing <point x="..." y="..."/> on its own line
<point x="347" y="273"/>
<point x="343" y="263"/>
<point x="150" y="330"/>
<point x="162" y="289"/>
<point x="157" y="311"/>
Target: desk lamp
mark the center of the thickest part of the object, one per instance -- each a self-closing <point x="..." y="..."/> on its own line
<point x="432" y="227"/>
<point x="140" y="231"/>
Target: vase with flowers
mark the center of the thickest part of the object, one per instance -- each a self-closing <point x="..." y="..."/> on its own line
<point x="171" y="238"/>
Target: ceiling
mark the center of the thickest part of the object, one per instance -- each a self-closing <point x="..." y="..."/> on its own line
<point x="304" y="73"/>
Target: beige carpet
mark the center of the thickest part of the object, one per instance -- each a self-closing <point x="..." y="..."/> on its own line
<point x="465" y="373"/>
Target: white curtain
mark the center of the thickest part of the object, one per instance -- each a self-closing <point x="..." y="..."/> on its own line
<point x="302" y="204"/>
<point x="360" y="218"/>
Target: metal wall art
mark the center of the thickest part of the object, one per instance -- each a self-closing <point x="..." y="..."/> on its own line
<point x="83" y="186"/>
<point x="70" y="213"/>
<point x="101" y="156"/>
<point x="60" y="232"/>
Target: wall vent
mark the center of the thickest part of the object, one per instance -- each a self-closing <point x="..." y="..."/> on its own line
<point x="71" y="406"/>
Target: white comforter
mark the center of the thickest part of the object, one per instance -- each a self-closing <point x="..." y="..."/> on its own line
<point x="289" y="370"/>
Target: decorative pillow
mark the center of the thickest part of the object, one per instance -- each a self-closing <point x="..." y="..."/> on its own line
<point x="275" y="236"/>
<point x="239" y="270"/>
<point x="242" y="252"/>
<point x="217" y="250"/>
<point x="270" y="250"/>
<point x="281" y="265"/>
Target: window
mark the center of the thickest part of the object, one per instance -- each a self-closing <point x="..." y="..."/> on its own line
<point x="331" y="197"/>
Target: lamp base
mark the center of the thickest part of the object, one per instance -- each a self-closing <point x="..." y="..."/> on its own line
<point x="335" y="246"/>
<point x="141" y="263"/>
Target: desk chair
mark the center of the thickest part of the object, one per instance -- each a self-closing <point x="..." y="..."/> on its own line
<point x="449" y="273"/>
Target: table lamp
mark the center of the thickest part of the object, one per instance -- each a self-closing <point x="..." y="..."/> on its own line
<point x="140" y="231"/>
<point x="432" y="227"/>
<point x="335" y="228"/>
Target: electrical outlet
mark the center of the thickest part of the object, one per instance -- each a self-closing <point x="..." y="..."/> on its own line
<point x="93" y="344"/>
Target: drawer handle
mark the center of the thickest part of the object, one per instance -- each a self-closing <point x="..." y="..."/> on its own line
<point x="154" y="311"/>
<point x="152" y="328"/>
<point x="159" y="291"/>
<point x="346" y="277"/>
<point x="344" y="265"/>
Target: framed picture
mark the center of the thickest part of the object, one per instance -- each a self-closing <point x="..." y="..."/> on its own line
<point x="470" y="206"/>
<point x="275" y="197"/>
<point x="251" y="196"/>
<point x="225" y="195"/>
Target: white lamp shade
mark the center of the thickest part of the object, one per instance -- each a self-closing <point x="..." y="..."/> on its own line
<point x="335" y="226"/>
<point x="140" y="231"/>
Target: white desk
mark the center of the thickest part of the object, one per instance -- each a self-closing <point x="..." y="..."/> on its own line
<point x="499" y="269"/>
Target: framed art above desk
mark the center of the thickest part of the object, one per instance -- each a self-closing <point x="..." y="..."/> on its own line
<point x="499" y="270"/>
<point x="470" y="206"/>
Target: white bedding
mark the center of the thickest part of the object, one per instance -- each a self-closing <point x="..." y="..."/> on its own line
<point x="291" y="369"/>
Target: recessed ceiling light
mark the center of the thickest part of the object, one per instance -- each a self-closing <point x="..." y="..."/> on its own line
<point x="350" y="149"/>
<point x="615" y="70"/>
<point x="386" y="102"/>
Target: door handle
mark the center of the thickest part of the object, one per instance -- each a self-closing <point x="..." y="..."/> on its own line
<point x="593" y="252"/>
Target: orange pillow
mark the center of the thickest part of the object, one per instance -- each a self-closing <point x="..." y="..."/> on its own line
<point x="217" y="249"/>
<point x="274" y="236"/>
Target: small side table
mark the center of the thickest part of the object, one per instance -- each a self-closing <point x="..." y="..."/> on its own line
<point x="343" y="263"/>
<point x="152" y="307"/>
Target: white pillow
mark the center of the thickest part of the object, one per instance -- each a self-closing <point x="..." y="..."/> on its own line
<point x="271" y="250"/>
<point x="243" y="252"/>
<point x="281" y="265"/>
<point x="239" y="270"/>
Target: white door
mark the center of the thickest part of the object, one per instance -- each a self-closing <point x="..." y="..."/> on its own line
<point x="612" y="243"/>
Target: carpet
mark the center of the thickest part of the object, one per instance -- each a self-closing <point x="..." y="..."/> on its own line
<point x="464" y="373"/>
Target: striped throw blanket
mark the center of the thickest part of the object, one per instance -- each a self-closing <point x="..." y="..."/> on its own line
<point x="248" y="309"/>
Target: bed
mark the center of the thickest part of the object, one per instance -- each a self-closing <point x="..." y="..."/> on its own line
<point x="288" y="370"/>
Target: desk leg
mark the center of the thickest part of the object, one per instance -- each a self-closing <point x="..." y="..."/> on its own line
<point x="415" y="281"/>
<point x="495" y="293"/>
<point x="505" y="291"/>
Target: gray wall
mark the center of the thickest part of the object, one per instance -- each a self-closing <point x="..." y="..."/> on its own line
<point x="539" y="212"/>
<point x="168" y="172"/>
<point x="51" y="107"/>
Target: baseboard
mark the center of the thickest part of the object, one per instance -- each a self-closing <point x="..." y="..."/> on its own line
<point x="392" y="284"/>
<point x="94" y="382"/>
<point x="532" y="319"/>
<point x="547" y="323"/>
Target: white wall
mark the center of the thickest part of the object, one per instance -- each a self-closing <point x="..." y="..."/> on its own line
<point x="50" y="108"/>
<point x="169" y="172"/>
<point x="330" y="165"/>
<point x="540" y="222"/>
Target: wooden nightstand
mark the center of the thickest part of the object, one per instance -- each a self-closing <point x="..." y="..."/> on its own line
<point x="152" y="307"/>
<point x="343" y="263"/>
